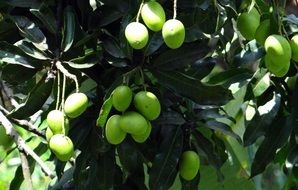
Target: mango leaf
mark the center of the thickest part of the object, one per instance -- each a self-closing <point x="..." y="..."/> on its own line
<point x="154" y="44"/>
<point x="23" y="3"/>
<point x="47" y="17"/>
<point x="66" y="177"/>
<point x="113" y="48"/>
<point x="181" y="57"/>
<point x="278" y="134"/>
<point x="164" y="168"/>
<point x="24" y="74"/>
<point x="31" y="50"/>
<point x="249" y="55"/>
<point x="14" y="55"/>
<point x="193" y="89"/>
<point x="132" y="163"/>
<point x="261" y="121"/>
<point x="35" y="99"/>
<point x="201" y="68"/>
<point x="29" y="30"/>
<point x="69" y="28"/>
<point x="192" y="184"/>
<point x="104" y="112"/>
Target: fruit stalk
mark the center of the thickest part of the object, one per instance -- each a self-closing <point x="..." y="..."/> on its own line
<point x="175" y="9"/>
<point x="58" y="89"/>
<point x="22" y="146"/>
<point x="139" y="11"/>
<point x="63" y="99"/>
<point x="67" y="74"/>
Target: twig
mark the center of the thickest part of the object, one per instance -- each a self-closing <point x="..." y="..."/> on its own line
<point x="26" y="171"/>
<point x="139" y="11"/>
<point x="22" y="146"/>
<point x="67" y="74"/>
<point x="29" y="127"/>
<point x="3" y="110"/>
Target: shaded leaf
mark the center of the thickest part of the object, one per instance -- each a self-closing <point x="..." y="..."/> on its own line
<point x="47" y="17"/>
<point x="113" y="48"/>
<point x="181" y="57"/>
<point x="201" y="68"/>
<point x="154" y="44"/>
<point x="23" y="3"/>
<point x="279" y="133"/>
<point x="192" y="184"/>
<point x="24" y="74"/>
<point x="29" y="30"/>
<point x="251" y="55"/>
<point x="193" y="89"/>
<point x="14" y="55"/>
<point x="66" y="177"/>
<point x="69" y="28"/>
<point x="31" y="50"/>
<point x="261" y="122"/>
<point x="35" y="99"/>
<point x="231" y="75"/>
<point x="164" y="168"/>
<point x="104" y="112"/>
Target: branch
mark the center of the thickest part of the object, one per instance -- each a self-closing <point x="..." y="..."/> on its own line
<point x="22" y="146"/>
<point x="26" y="171"/>
<point x="29" y="127"/>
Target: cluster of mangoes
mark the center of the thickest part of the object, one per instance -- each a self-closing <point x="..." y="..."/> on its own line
<point x="154" y="17"/>
<point x="58" y="125"/>
<point x="279" y="50"/>
<point x="136" y="121"/>
<point x="189" y="165"/>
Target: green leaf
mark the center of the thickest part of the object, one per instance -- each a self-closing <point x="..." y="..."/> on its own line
<point x="192" y="184"/>
<point x="14" y="55"/>
<point x="231" y="75"/>
<point x="113" y="48"/>
<point x="164" y="168"/>
<point x="276" y="137"/>
<point x="201" y="68"/>
<point x="23" y="3"/>
<point x="193" y="89"/>
<point x="69" y="28"/>
<point x="47" y="17"/>
<point x="249" y="55"/>
<point x="181" y="57"/>
<point x="222" y="127"/>
<point x="206" y="146"/>
<point x="132" y="163"/>
<point x="261" y="121"/>
<point x="107" y="170"/>
<point x="35" y="99"/>
<point x="29" y="30"/>
<point x="154" y="44"/>
<point x="24" y="74"/>
<point x="66" y="177"/>
<point x="104" y="112"/>
<point x="31" y="50"/>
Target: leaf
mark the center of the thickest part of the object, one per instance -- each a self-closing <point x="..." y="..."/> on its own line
<point x="278" y="134"/>
<point x="106" y="15"/>
<point x="181" y="57"/>
<point x="66" y="177"/>
<point x="23" y="3"/>
<point x="30" y="50"/>
<point x="132" y="163"/>
<point x="30" y="31"/>
<point x="164" y="168"/>
<point x="69" y="28"/>
<point x="201" y="68"/>
<point x="113" y="48"/>
<point x="206" y="146"/>
<point x="261" y="122"/>
<point x="154" y="44"/>
<point x="35" y="99"/>
<point x="80" y="66"/>
<point x="14" y="55"/>
<point x="24" y="74"/>
<point x="231" y="75"/>
<point x="106" y="173"/>
<point x="192" y="184"/>
<point x="170" y="118"/>
<point x="47" y="17"/>
<point x="104" y="112"/>
<point x="249" y="55"/>
<point x="222" y="127"/>
<point x="193" y="89"/>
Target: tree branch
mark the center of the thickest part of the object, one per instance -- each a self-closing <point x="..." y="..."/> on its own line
<point x="29" y="127"/>
<point x="22" y="146"/>
<point x="26" y="171"/>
